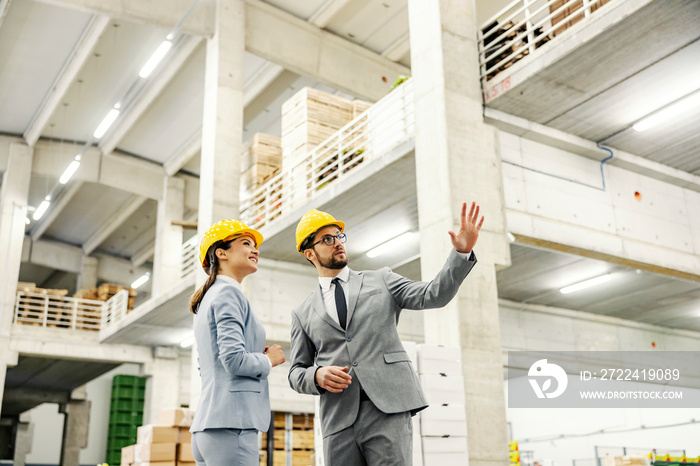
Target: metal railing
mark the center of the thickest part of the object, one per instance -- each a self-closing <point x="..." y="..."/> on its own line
<point x="46" y="310"/>
<point x="374" y="132"/>
<point x="524" y="26"/>
<point x="189" y="260"/>
<point x="115" y="309"/>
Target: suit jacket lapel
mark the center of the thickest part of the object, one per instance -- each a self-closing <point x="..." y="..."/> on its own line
<point x="354" y="286"/>
<point x="320" y="308"/>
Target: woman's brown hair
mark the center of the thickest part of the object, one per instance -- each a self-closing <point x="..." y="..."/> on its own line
<point x="211" y="269"/>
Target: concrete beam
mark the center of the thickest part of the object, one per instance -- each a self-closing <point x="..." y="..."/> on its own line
<point x="132" y="175"/>
<point x="69" y="258"/>
<point x="56" y="255"/>
<point x="150" y="91"/>
<point x="574" y="144"/>
<point x="113" y="224"/>
<point x="81" y="52"/>
<point x="259" y="81"/>
<point x="143" y="254"/>
<point x="120" y="271"/>
<point x="55" y="210"/>
<point x="42" y="342"/>
<point x="398" y="48"/>
<point x="184" y="154"/>
<point x="161" y="13"/>
<point x="306" y="50"/>
<point x="326" y="12"/>
<point x="119" y="171"/>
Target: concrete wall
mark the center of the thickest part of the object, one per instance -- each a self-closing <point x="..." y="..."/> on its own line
<point x="558" y="196"/>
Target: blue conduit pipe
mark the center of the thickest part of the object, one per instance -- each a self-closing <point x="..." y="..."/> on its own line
<point x="602" y="175"/>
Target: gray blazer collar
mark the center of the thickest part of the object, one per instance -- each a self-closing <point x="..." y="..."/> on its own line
<point x="354" y="286"/>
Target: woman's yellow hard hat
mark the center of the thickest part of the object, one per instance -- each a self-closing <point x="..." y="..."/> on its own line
<point x="225" y="230"/>
<point x="311" y="222"/>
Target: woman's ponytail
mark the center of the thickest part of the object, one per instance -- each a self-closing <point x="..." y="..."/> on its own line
<point x="212" y="269"/>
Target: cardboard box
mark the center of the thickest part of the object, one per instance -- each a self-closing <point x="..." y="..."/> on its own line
<point x="157" y="434"/>
<point x="443" y="390"/>
<point x="184" y="435"/>
<point x="128" y="454"/>
<point x="181" y="417"/>
<point x="442" y="421"/>
<point x="445" y="450"/>
<point x="150" y="452"/>
<point x="435" y="359"/>
<point x="184" y="453"/>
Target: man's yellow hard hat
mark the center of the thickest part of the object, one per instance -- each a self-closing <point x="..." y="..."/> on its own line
<point x="225" y="230"/>
<point x="311" y="222"/>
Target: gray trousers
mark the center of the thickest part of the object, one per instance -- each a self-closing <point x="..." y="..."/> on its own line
<point x="374" y="439"/>
<point x="226" y="447"/>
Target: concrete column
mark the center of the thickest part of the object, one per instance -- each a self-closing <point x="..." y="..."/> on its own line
<point x="162" y="385"/>
<point x="166" y="257"/>
<point x="222" y="131"/>
<point x="222" y="126"/>
<point x="87" y="278"/>
<point x="457" y="161"/>
<point x="13" y="211"/>
<point x="23" y="439"/>
<point x="75" y="427"/>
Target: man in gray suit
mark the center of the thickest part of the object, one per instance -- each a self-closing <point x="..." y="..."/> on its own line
<point x="345" y="346"/>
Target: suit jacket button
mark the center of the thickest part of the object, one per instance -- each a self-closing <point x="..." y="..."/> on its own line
<point x="348" y="339"/>
<point x="354" y="363"/>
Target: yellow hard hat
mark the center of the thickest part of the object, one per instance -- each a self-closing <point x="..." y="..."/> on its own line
<point x="311" y="222"/>
<point x="225" y="230"/>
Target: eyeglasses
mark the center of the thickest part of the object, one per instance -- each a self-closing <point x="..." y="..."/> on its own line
<point x="329" y="240"/>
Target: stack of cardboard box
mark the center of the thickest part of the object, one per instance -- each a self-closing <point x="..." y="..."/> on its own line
<point x="166" y="444"/>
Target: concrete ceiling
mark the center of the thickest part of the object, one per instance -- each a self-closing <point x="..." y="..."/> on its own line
<point x="611" y="74"/>
<point x="36" y="380"/>
<point x="648" y="59"/>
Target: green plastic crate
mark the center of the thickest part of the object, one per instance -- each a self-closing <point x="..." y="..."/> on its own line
<point x="126" y="405"/>
<point x="131" y="418"/>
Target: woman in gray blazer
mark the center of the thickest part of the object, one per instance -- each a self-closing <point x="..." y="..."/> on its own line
<point x="233" y="360"/>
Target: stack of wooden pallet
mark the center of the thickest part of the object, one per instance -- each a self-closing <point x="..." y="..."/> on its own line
<point x="309" y="118"/>
<point x="107" y="290"/>
<point x="32" y="309"/>
<point x="294" y="436"/>
<point x="261" y="159"/>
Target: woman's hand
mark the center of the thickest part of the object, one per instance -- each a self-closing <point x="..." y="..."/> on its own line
<point x="275" y="354"/>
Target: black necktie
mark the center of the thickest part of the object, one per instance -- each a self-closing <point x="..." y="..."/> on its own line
<point x="340" y="304"/>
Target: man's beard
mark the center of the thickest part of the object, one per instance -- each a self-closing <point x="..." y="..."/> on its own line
<point x="332" y="262"/>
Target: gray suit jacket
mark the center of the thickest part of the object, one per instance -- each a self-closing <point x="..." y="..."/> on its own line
<point x="234" y="370"/>
<point x="370" y="346"/>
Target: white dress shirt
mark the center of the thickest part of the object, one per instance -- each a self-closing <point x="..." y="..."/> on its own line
<point x="328" y="292"/>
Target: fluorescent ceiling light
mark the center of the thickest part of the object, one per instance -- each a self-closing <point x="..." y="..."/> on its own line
<point x="106" y="123"/>
<point x="586" y="284"/>
<point x="141" y="280"/>
<point x="397" y="242"/>
<point x="155" y="58"/>
<point x="41" y="209"/>
<point x="69" y="172"/>
<point x="187" y="342"/>
<point x="686" y="104"/>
